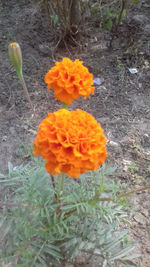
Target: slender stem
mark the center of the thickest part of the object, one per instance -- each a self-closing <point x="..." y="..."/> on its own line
<point x="28" y="97"/>
<point x="14" y="260"/>
<point x="9" y="205"/>
<point x="59" y="7"/>
<point x="17" y="205"/>
<point x="38" y="253"/>
<point x="134" y="191"/>
<point x="102" y="182"/>
<point x="64" y="105"/>
<point x="53" y="184"/>
<point x="61" y="188"/>
<point x="112" y="198"/>
<point x="126" y="194"/>
<point x="95" y="186"/>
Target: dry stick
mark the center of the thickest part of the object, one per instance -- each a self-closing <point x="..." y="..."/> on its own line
<point x="59" y="7"/>
<point x="124" y="6"/>
<point x="65" y="12"/>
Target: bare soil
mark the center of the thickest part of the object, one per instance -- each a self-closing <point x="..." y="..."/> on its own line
<point x="121" y="104"/>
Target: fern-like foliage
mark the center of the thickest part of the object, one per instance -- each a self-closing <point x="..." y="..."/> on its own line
<point x="41" y="225"/>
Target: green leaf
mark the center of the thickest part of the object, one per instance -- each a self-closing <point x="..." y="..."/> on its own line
<point x="132" y="256"/>
<point x="10" y="182"/>
<point x="73" y="252"/>
<point x="10" y="168"/>
<point x="115" y="241"/>
<point x="54" y="18"/>
<point x="108" y="171"/>
<point x="124" y="13"/>
<point x="133" y="2"/>
<point x="122" y="253"/>
<point x="70" y="242"/>
<point x="53" y="253"/>
<point x="42" y="261"/>
<point x="109" y="25"/>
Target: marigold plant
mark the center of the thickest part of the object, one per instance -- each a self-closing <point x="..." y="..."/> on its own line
<point x="69" y="80"/>
<point x="71" y="142"/>
<point x="49" y="221"/>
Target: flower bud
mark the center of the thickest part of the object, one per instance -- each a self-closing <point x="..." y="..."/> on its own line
<point x="16" y="57"/>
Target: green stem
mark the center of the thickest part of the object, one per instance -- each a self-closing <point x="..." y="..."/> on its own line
<point x="38" y="253"/>
<point x="102" y="183"/>
<point x="53" y="184"/>
<point x="27" y="96"/>
<point x="125" y="194"/>
<point x="17" y="205"/>
<point x="64" y="105"/>
<point x="61" y="188"/>
<point x="112" y="198"/>
<point x="95" y="185"/>
<point x="133" y="191"/>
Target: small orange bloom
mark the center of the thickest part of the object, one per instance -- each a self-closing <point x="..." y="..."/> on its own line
<point x="69" y="80"/>
<point x="71" y="142"/>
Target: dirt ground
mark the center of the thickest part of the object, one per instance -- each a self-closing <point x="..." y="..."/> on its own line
<point x="121" y="104"/>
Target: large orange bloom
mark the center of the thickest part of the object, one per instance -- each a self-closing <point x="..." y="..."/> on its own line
<point x="71" y="142"/>
<point x="69" y="80"/>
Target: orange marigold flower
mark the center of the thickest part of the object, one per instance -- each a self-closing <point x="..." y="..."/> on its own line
<point x="71" y="142"/>
<point x="69" y="80"/>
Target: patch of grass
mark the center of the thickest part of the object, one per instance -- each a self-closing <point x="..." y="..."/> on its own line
<point x="24" y="151"/>
<point x="133" y="167"/>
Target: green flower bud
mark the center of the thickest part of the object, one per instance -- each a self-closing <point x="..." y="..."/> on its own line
<point x="16" y="57"/>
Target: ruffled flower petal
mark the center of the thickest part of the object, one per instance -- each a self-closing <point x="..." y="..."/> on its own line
<point x="69" y="80"/>
<point x="71" y="142"/>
